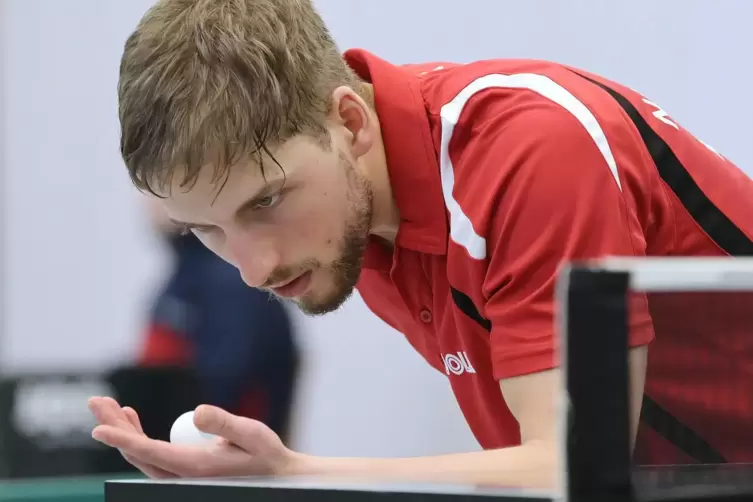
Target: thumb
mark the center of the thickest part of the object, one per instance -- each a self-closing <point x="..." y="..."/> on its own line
<point x="237" y="430"/>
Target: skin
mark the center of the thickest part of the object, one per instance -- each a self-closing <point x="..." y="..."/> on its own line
<point x="332" y="200"/>
<point x="311" y="210"/>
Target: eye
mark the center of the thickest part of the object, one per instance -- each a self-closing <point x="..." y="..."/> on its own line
<point x="267" y="202"/>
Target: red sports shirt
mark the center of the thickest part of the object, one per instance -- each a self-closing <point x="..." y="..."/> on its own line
<point x="502" y="170"/>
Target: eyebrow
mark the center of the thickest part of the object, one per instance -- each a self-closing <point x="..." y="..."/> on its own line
<point x="250" y="202"/>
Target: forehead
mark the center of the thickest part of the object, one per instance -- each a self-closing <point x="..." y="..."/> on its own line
<point x="212" y="193"/>
<point x="210" y="186"/>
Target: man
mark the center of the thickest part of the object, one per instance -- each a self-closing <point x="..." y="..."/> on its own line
<point x="448" y="194"/>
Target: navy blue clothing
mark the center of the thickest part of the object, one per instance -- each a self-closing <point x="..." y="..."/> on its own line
<point x="242" y="339"/>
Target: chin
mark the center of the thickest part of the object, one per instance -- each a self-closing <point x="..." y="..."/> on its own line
<point x="315" y="305"/>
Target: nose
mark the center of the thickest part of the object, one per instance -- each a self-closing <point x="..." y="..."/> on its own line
<point x="255" y="258"/>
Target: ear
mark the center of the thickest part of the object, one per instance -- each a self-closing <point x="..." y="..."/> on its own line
<point x="351" y="113"/>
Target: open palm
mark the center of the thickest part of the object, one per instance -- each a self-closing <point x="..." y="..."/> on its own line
<point x="244" y="447"/>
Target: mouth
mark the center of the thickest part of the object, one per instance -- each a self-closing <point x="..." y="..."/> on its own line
<point x="294" y="288"/>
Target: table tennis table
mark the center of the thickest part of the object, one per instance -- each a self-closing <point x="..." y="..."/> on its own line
<point x="651" y="484"/>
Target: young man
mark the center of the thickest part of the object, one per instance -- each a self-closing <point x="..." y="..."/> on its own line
<point x="449" y="195"/>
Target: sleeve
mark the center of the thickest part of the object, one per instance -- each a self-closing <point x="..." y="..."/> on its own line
<point x="555" y="200"/>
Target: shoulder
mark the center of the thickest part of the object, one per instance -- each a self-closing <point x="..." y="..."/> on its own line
<point x="514" y="146"/>
<point x="505" y="126"/>
<point x="503" y="108"/>
<point x="453" y="85"/>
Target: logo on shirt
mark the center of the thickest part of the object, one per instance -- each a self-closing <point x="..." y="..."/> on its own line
<point x="457" y="363"/>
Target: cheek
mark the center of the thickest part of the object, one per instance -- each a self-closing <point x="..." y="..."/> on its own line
<point x="321" y="228"/>
<point x="317" y="225"/>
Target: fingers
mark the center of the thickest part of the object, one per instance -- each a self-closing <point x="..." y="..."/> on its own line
<point x="160" y="459"/>
<point x="133" y="418"/>
<point x="107" y="411"/>
<point x="149" y="453"/>
<point x="149" y="470"/>
<point x="236" y="430"/>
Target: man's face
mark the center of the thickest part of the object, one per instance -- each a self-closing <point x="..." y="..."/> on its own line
<point x="299" y="230"/>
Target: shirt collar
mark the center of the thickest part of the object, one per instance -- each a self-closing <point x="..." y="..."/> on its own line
<point x="411" y="158"/>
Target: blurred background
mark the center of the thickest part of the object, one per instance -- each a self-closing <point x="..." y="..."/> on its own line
<point x="92" y="297"/>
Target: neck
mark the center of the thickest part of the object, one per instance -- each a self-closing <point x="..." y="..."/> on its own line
<point x="385" y="217"/>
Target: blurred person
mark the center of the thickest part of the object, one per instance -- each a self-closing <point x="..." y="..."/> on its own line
<point x="239" y="341"/>
<point x="448" y="195"/>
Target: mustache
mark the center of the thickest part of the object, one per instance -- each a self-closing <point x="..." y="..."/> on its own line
<point x="287" y="273"/>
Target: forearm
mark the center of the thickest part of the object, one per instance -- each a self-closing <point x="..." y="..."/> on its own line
<point x="530" y="465"/>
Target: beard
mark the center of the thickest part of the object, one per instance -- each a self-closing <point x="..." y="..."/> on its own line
<point x="345" y="271"/>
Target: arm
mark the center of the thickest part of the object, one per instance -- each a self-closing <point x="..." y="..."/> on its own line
<point x="532" y="464"/>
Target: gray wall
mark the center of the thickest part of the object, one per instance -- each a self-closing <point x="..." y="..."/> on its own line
<point x="80" y="263"/>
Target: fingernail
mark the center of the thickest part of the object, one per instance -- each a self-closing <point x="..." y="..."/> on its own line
<point x="200" y="414"/>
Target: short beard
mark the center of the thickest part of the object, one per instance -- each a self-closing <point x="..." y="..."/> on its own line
<point x="346" y="270"/>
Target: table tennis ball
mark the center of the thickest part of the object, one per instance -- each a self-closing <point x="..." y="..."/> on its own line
<point x="185" y="432"/>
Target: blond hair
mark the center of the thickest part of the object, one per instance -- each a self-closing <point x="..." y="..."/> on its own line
<point x="216" y="81"/>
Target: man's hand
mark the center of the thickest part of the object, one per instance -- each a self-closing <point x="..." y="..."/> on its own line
<point x="245" y="447"/>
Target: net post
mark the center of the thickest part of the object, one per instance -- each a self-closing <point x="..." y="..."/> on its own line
<point x="595" y="428"/>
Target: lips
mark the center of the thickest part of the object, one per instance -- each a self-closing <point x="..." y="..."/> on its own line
<point x="294" y="288"/>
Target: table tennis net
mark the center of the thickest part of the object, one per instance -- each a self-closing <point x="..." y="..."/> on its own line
<point x="697" y="409"/>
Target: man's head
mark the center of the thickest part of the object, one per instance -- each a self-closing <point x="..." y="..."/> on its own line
<point x="242" y="116"/>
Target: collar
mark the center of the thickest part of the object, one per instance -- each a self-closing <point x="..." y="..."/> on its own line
<point x="411" y="158"/>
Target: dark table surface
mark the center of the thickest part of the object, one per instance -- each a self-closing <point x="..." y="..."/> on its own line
<point x="667" y="483"/>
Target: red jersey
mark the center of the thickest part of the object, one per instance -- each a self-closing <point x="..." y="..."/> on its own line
<point x="504" y="169"/>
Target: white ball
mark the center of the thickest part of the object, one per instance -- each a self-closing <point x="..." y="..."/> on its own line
<point x="185" y="432"/>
